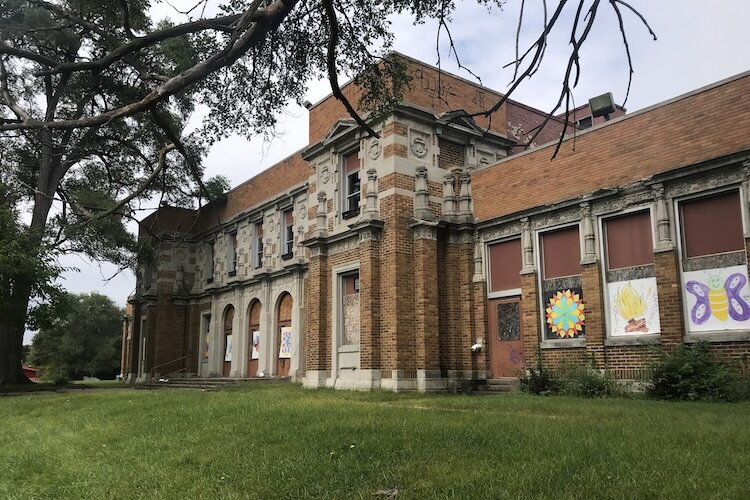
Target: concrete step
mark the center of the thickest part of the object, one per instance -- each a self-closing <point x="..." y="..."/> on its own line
<point x="210" y="383"/>
<point x="497" y="386"/>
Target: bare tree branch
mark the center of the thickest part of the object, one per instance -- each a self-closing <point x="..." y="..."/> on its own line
<point x="144" y="185"/>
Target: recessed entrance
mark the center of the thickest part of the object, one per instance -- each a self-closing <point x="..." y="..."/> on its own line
<point x="228" y="320"/>
<point x="253" y="335"/>
<point x="284" y="336"/>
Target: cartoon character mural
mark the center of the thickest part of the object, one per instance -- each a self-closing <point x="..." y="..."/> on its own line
<point x="717" y="299"/>
<point x="633" y="307"/>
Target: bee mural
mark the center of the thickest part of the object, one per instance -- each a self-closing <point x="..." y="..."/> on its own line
<point x="720" y="301"/>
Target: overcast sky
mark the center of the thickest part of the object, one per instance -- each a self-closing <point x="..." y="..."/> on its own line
<point x="698" y="43"/>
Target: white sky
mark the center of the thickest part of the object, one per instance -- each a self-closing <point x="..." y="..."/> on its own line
<point x="698" y="43"/>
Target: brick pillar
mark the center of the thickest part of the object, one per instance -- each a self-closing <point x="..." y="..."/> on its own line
<point x="670" y="299"/>
<point x="591" y="283"/>
<point x="317" y="350"/>
<point x="426" y="312"/>
<point x="369" y="306"/>
<point x="530" y="316"/>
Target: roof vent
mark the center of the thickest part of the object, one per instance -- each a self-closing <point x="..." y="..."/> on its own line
<point x="602" y="105"/>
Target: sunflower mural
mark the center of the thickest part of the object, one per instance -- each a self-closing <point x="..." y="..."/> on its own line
<point x="565" y="317"/>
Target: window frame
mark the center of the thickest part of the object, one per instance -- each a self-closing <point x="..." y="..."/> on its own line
<point x="544" y="342"/>
<point x="211" y="262"/>
<point x="286" y="234"/>
<point x="510" y="292"/>
<point x="348" y="211"/>
<point x="258" y="244"/>
<point x="611" y="339"/>
<point x="232" y="253"/>
<point x="707" y="335"/>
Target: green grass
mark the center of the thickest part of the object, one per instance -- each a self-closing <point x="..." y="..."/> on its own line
<point x="286" y="442"/>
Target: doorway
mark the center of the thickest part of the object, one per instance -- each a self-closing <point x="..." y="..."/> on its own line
<point x="506" y="337"/>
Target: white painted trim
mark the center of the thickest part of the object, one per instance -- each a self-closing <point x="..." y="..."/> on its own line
<point x="336" y="273"/>
<point x="512" y="292"/>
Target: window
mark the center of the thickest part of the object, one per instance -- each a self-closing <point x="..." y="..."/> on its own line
<point x="350" y="309"/>
<point x="287" y="235"/>
<point x="714" y="263"/>
<point x="585" y="122"/>
<point x="351" y="185"/>
<point x="206" y="336"/>
<point x="258" y="246"/>
<point x="562" y="295"/>
<point x="505" y="265"/>
<point x="712" y="224"/>
<point x="232" y="253"/>
<point x="631" y="289"/>
<point x="210" y="264"/>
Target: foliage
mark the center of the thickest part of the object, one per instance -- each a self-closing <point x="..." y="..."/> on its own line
<point x="568" y="379"/>
<point x="283" y="441"/>
<point x="539" y="379"/>
<point x="690" y="373"/>
<point x="25" y="353"/>
<point x="578" y="380"/>
<point x="85" y="340"/>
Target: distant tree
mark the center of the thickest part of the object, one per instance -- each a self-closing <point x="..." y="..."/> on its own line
<point x="25" y="350"/>
<point x="84" y="341"/>
<point x="94" y="95"/>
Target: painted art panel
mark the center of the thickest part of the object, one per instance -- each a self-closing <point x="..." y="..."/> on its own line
<point x="633" y="307"/>
<point x="228" y="351"/>
<point x="285" y="347"/>
<point x="717" y="299"/>
<point x="564" y="314"/>
<point x="255" y="353"/>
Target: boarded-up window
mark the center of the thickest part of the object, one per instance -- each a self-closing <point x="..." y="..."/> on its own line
<point x="505" y="265"/>
<point x="350" y="309"/>
<point x="628" y="239"/>
<point x="712" y="224"/>
<point x="561" y="252"/>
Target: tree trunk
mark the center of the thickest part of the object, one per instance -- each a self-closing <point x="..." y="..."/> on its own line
<point x="12" y="327"/>
<point x="17" y="289"/>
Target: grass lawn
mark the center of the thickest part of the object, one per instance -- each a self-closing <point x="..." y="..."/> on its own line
<point x="286" y="442"/>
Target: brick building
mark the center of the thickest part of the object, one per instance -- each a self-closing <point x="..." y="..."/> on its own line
<point x="437" y="253"/>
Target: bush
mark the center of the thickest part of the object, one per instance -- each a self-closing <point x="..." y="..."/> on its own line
<point x="55" y="375"/>
<point x="690" y="373"/>
<point x="587" y="382"/>
<point x="539" y="380"/>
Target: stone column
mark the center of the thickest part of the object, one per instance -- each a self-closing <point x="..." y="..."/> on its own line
<point x="667" y="268"/>
<point x="591" y="283"/>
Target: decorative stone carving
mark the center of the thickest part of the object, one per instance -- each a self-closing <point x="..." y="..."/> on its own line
<point x="422" y="194"/>
<point x="478" y="270"/>
<point x="179" y="255"/>
<point x="325" y="174"/>
<point x="449" y="196"/>
<point x="321" y="216"/>
<point x="664" y="242"/>
<point x="374" y="148"/>
<point x="528" y="247"/>
<point x="419" y="144"/>
<point x="270" y="223"/>
<point x="589" y="244"/>
<point x="301" y="212"/>
<point x="424" y="231"/>
<point x="371" y="207"/>
<point x="464" y="197"/>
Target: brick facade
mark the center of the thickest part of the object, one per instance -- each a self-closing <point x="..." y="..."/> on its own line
<point x="432" y="197"/>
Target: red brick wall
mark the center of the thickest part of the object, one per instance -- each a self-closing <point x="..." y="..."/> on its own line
<point x="632" y="148"/>
<point x="428" y="89"/>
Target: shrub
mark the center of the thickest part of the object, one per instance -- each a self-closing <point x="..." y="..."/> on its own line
<point x="539" y="380"/>
<point x="690" y="373"/>
<point x="587" y="382"/>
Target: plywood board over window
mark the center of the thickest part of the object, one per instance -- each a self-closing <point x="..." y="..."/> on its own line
<point x="561" y="292"/>
<point x="631" y="292"/>
<point x="715" y="276"/>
